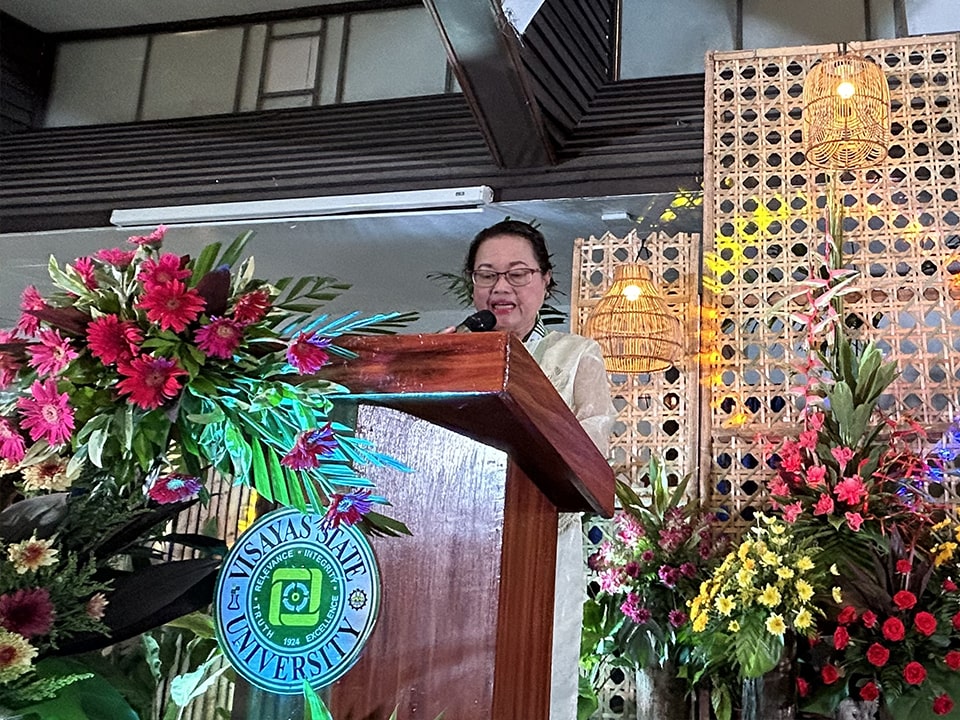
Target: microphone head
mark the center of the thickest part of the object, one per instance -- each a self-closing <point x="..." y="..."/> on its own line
<point x="481" y="321"/>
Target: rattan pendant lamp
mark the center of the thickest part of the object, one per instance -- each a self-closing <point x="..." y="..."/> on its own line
<point x="636" y="330"/>
<point x="846" y="112"/>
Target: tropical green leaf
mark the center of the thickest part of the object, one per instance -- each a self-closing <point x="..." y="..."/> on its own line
<point x="314" y="709"/>
<point x="756" y="650"/>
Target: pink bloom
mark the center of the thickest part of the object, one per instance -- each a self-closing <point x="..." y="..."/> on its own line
<point x="52" y="354"/>
<point x="251" y="307"/>
<point x="160" y="272"/>
<point x="778" y="487"/>
<point x="629" y="531"/>
<point x="112" y="340"/>
<point x="30" y="299"/>
<point x="824" y="505"/>
<point x="677" y="618"/>
<point x="610" y="581"/>
<point x="12" y="445"/>
<point x="27" y="612"/>
<point x="220" y="337"/>
<point x="150" y="381"/>
<point x="854" y="520"/>
<point x="808" y="439"/>
<point x="96" y="606"/>
<point x="309" y="447"/>
<point x="631" y="608"/>
<point x="790" y="459"/>
<point x="115" y="256"/>
<point x="816" y="475"/>
<point x="792" y="511"/>
<point x="851" y="490"/>
<point x="152" y="240"/>
<point x="47" y="413"/>
<point x="815" y="421"/>
<point x="174" y="488"/>
<point x="348" y="508"/>
<point x="172" y="306"/>
<point x="10" y="364"/>
<point x="308" y="353"/>
<point x="842" y="455"/>
<point x="86" y="270"/>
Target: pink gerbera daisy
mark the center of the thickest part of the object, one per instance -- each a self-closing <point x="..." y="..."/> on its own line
<point x="86" y="270"/>
<point x="10" y="364"/>
<point x="172" y="306"/>
<point x="47" y="414"/>
<point x="27" y="612"/>
<point x="307" y="352"/>
<point x="52" y="354"/>
<point x="220" y="337"/>
<point x="159" y="272"/>
<point x="12" y="445"/>
<point x="150" y="381"/>
<point x="113" y="340"/>
<point x="117" y="257"/>
<point x="30" y="299"/>
<point x="251" y="306"/>
<point x="152" y="240"/>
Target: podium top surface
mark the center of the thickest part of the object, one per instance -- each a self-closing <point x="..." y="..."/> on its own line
<point x="485" y="386"/>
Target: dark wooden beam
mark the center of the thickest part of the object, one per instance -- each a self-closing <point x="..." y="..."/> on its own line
<point x="485" y="54"/>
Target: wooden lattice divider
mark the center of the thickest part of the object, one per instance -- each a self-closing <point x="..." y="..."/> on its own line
<point x="764" y="224"/>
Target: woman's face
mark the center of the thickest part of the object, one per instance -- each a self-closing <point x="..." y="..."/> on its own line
<point x="516" y="308"/>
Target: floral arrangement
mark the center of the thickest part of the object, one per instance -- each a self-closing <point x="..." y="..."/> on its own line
<point x="120" y="391"/>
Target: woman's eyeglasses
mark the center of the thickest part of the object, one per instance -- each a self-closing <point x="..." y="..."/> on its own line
<point x="514" y="276"/>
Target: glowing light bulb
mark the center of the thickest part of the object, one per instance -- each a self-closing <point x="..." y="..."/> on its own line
<point x="846" y="90"/>
<point x="631" y="292"/>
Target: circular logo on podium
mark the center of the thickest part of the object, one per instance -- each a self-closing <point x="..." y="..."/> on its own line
<point x="296" y="600"/>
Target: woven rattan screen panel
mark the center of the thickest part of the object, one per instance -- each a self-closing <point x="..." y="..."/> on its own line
<point x="764" y="224"/>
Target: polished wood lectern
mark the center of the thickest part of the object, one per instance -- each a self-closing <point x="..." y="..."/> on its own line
<point x="466" y="619"/>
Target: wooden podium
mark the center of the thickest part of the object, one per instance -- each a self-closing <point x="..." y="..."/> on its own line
<point x="465" y="625"/>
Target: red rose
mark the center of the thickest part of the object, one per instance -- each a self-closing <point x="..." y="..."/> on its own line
<point x="956" y="621"/>
<point x="904" y="599"/>
<point x="925" y="623"/>
<point x="840" y="638"/>
<point x="953" y="659"/>
<point x="870" y="692"/>
<point x="803" y="687"/>
<point x="903" y="566"/>
<point x="829" y="674"/>
<point x="914" y="673"/>
<point x="893" y="629"/>
<point x="847" y="615"/>
<point x="949" y="585"/>
<point x="870" y="618"/>
<point x="942" y="704"/>
<point x="877" y="655"/>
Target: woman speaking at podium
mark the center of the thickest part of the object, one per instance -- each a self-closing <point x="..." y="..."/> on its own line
<point x="510" y="269"/>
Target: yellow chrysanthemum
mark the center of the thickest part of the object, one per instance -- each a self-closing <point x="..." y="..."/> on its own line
<point x="778" y="529"/>
<point x="734" y="626"/>
<point x="744" y="550"/>
<point x="804" y="563"/>
<point x="700" y="624"/>
<point x="750" y="564"/>
<point x="837" y="595"/>
<point x="770" y="597"/>
<point x="785" y="573"/>
<point x="770" y="559"/>
<point x="804" y="590"/>
<point x="775" y="625"/>
<point x="942" y="524"/>
<point x="725" y="605"/>
<point x="16" y="655"/>
<point x="803" y="620"/>
<point x="944" y="553"/>
<point x="745" y="578"/>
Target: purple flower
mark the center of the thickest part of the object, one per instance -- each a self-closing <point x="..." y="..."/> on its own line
<point x="174" y="488"/>
<point x="348" y="508"/>
<point x="631" y="608"/>
<point x="309" y="447"/>
<point x="632" y="569"/>
<point x="688" y="570"/>
<point x="668" y="575"/>
<point x="677" y="618"/>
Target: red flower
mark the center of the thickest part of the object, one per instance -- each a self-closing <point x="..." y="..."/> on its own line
<point x="112" y="340"/>
<point x="307" y="352"/>
<point x="220" y="337"/>
<point x="160" y="272"/>
<point x="949" y="585"/>
<point x="925" y="623"/>
<point x="116" y="257"/>
<point x="47" y="414"/>
<point x="841" y="638"/>
<point x="914" y="673"/>
<point x="904" y="566"/>
<point x="953" y="659"/>
<point x="27" y="612"/>
<point x="893" y="629"/>
<point x="877" y="655"/>
<point x="824" y="505"/>
<point x="956" y="621"/>
<point x="309" y="447"/>
<point x="151" y="240"/>
<point x="803" y="687"/>
<point x="942" y="704"/>
<point x="171" y="305"/>
<point x="52" y="354"/>
<point x="869" y="691"/>
<point x="30" y="299"/>
<point x="850" y="490"/>
<point x="904" y="599"/>
<point x="830" y="674"/>
<point x="149" y="381"/>
<point x="174" y="488"/>
<point x="85" y="269"/>
<point x="847" y="615"/>
<point x="251" y="307"/>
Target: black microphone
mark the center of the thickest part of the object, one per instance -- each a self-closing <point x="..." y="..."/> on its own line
<point x="478" y="322"/>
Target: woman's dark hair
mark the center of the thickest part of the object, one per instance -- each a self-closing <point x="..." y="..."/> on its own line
<point x="520" y="229"/>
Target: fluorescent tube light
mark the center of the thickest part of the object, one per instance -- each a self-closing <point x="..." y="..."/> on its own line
<point x="303" y="208"/>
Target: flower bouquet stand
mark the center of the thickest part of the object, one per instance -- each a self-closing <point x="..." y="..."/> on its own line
<point x="465" y="624"/>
